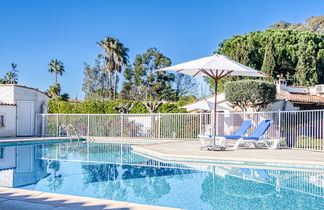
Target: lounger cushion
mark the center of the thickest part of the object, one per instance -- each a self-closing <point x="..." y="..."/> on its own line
<point x="250" y="138"/>
<point x="227" y="137"/>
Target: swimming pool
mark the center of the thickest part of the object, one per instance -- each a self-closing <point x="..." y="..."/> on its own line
<point x="114" y="172"/>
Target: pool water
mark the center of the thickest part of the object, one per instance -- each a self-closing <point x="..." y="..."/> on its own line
<point x="114" y="172"/>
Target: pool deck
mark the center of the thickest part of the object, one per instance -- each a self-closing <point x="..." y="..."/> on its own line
<point x="190" y="150"/>
<point x="19" y="199"/>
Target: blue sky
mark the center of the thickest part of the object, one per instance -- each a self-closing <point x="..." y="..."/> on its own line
<point x="34" y="32"/>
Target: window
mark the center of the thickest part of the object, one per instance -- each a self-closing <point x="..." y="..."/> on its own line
<point x="1" y="153"/>
<point x="2" y="121"/>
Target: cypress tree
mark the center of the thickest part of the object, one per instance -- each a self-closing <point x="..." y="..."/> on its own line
<point x="269" y="60"/>
<point x="306" y="73"/>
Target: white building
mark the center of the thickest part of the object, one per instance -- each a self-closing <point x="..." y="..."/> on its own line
<point x="18" y="108"/>
<point x="291" y="98"/>
<point x="288" y="98"/>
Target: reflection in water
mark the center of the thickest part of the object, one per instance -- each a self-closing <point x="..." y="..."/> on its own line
<point x="112" y="171"/>
<point x="250" y="193"/>
<point x="20" y="166"/>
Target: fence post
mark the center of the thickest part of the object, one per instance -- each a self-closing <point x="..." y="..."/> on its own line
<point x="57" y="126"/>
<point x="200" y="123"/>
<point x="88" y="126"/>
<point x="43" y="125"/>
<point x="322" y="127"/>
<point x="121" y="125"/>
<point x="159" y="123"/>
<point x="36" y="125"/>
<point x="279" y="123"/>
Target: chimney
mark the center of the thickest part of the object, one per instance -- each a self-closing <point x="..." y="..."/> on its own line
<point x="281" y="85"/>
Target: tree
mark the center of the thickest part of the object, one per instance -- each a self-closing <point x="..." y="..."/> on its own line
<point x="320" y="65"/>
<point x="128" y="89"/>
<point x="64" y="97"/>
<point x="116" y="56"/>
<point x="10" y="77"/>
<point x="184" y="85"/>
<point x="313" y="24"/>
<point x="56" y="67"/>
<point x="286" y="25"/>
<point x="306" y="73"/>
<point x="151" y="84"/>
<point x="253" y="94"/>
<point x="54" y="91"/>
<point x="153" y="107"/>
<point x="95" y="82"/>
<point x="269" y="60"/>
<point x="279" y="52"/>
<point x="316" y="24"/>
<point x="124" y="108"/>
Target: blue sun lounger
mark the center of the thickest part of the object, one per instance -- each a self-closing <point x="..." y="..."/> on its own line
<point x="256" y="137"/>
<point x="244" y="127"/>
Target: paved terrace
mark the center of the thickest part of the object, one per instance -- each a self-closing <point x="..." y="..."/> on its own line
<point x="191" y="150"/>
<point x="18" y="199"/>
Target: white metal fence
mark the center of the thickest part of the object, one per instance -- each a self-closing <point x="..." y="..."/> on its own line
<point x="298" y="129"/>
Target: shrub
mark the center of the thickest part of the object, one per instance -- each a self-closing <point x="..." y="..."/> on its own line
<point x="170" y="108"/>
<point x="254" y="94"/>
<point x="104" y="107"/>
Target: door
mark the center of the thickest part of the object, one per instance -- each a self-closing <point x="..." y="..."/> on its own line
<point x="25" y="118"/>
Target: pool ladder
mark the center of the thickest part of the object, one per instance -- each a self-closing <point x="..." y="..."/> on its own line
<point x="67" y="128"/>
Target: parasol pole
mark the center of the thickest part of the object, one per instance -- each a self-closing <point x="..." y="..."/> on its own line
<point x="215" y="107"/>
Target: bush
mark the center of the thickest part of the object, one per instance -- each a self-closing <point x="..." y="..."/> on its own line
<point x="104" y="107"/>
<point x="254" y="94"/>
<point x="170" y="108"/>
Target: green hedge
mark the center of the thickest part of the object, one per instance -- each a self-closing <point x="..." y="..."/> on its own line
<point x="105" y="107"/>
<point x="250" y="93"/>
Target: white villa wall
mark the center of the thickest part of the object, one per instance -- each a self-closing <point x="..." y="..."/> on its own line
<point x="26" y="94"/>
<point x="7" y="94"/>
<point x="9" y="113"/>
<point x="12" y="94"/>
<point x="281" y="105"/>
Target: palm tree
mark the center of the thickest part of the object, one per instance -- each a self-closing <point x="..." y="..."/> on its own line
<point x="116" y="56"/>
<point x="56" y="67"/>
<point x="11" y="77"/>
<point x="54" y="91"/>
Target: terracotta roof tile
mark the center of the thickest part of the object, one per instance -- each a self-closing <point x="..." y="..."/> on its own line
<point x="306" y="98"/>
<point x="5" y="104"/>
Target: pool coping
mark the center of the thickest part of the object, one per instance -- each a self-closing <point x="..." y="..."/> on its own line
<point x="21" y="198"/>
<point x="98" y="139"/>
<point x="30" y="139"/>
<point x="148" y="152"/>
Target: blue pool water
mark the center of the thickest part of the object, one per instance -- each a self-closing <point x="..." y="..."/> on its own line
<point x="114" y="172"/>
